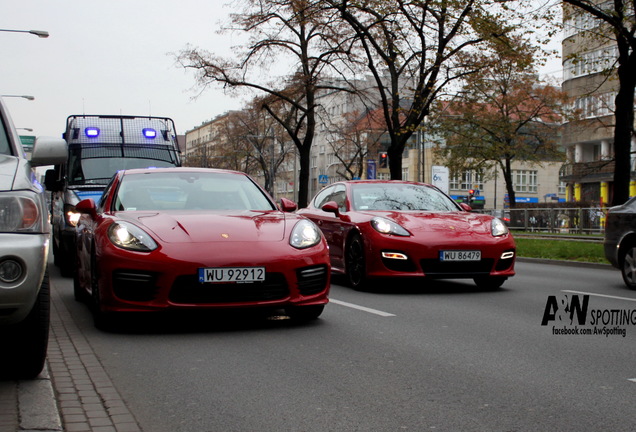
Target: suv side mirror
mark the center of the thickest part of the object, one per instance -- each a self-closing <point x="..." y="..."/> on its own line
<point x="49" y="151"/>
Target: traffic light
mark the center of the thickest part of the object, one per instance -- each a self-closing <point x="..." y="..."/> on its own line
<point x="384" y="160"/>
<point x="471" y="196"/>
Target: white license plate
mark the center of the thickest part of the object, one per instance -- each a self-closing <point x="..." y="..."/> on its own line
<point x="231" y="274"/>
<point x="460" y="255"/>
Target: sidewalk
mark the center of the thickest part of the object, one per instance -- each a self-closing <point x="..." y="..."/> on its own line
<point x="72" y="394"/>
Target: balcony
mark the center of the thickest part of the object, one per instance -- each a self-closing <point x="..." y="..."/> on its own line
<point x="588" y="172"/>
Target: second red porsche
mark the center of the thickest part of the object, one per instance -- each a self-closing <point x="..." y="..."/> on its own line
<point x="397" y="229"/>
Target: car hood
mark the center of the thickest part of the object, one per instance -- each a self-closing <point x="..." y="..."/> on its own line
<point x="205" y="227"/>
<point x="448" y="222"/>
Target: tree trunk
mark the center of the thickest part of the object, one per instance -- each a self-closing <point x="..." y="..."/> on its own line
<point x="623" y="130"/>
<point x="510" y="187"/>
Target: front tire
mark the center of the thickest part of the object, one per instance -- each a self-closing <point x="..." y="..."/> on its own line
<point x="355" y="265"/>
<point x="101" y="320"/>
<point x="26" y="344"/>
<point x="628" y="267"/>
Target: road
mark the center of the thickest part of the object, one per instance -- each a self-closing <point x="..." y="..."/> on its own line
<point x="446" y="357"/>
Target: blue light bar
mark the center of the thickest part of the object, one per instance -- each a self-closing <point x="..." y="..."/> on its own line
<point x="92" y="132"/>
<point x="149" y="133"/>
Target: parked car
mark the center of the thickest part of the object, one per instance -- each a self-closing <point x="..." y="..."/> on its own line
<point x="191" y="238"/>
<point x="24" y="240"/>
<point x="620" y="240"/>
<point x="398" y="229"/>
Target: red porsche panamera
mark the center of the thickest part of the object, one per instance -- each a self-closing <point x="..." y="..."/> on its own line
<point x="185" y="238"/>
<point x="393" y="229"/>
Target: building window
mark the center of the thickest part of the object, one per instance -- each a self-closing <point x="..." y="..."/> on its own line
<point x="590" y="62"/>
<point x="599" y="105"/>
<point x="467" y="180"/>
<point x="562" y="187"/>
<point x="525" y="180"/>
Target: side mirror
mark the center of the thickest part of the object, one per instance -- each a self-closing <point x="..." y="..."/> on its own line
<point x="331" y="207"/>
<point x="287" y="205"/>
<point x="51" y="183"/>
<point x="87" y="206"/>
<point x="466" y="207"/>
<point x="49" y="151"/>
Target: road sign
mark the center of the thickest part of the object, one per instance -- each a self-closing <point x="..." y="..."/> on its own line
<point x="371" y="169"/>
<point x="27" y="142"/>
<point x="323" y="179"/>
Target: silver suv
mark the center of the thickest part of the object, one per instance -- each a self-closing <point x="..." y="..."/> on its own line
<point x="24" y="245"/>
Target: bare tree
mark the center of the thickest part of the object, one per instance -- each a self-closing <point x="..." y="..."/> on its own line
<point x="280" y="32"/>
<point x="414" y="49"/>
<point x="263" y="142"/>
<point x="619" y="25"/>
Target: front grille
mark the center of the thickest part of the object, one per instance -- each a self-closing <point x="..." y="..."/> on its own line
<point x="134" y="285"/>
<point x="188" y="289"/>
<point x="312" y="280"/>
<point x="437" y="268"/>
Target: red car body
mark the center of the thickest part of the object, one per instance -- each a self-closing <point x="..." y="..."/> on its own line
<point x="220" y="234"/>
<point x="438" y="239"/>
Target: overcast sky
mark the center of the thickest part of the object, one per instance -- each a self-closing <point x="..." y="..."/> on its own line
<point x="109" y="57"/>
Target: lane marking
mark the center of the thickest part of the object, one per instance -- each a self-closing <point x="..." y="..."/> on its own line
<point x="600" y="295"/>
<point x="362" y="308"/>
<point x="631" y="379"/>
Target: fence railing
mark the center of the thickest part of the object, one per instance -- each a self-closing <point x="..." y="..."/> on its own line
<point x="553" y="220"/>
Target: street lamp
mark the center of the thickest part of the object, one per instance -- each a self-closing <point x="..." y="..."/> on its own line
<point x="38" y="33"/>
<point x="21" y="96"/>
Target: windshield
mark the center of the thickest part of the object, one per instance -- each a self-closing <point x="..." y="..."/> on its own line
<point x="96" y="165"/>
<point x="192" y="190"/>
<point x="400" y="196"/>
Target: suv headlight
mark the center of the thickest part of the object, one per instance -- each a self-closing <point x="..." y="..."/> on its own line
<point x="498" y="228"/>
<point x="19" y="212"/>
<point x="386" y="226"/>
<point x="131" y="237"/>
<point x="305" y="234"/>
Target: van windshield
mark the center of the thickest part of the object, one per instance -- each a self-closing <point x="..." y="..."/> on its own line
<point x="96" y="165"/>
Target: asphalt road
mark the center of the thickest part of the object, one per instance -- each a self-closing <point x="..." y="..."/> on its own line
<point x="446" y="357"/>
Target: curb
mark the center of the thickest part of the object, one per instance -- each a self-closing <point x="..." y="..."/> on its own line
<point x="37" y="404"/>
<point x="566" y="263"/>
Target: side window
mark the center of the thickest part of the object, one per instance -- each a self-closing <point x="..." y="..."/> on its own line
<point x="340" y="197"/>
<point x="102" y="200"/>
<point x="323" y="197"/>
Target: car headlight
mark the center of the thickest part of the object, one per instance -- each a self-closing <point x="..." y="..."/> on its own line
<point x="131" y="237"/>
<point x="305" y="234"/>
<point x="19" y="213"/>
<point x="386" y="226"/>
<point x="498" y="228"/>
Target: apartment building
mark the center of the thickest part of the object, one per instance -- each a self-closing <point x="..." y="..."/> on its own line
<point x="588" y="77"/>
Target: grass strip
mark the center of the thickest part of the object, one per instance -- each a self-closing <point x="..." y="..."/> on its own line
<point x="561" y="250"/>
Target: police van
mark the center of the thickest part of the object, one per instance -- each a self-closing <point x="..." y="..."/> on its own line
<point x="98" y="147"/>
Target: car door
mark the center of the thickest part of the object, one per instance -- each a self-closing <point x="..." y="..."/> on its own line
<point x="332" y="226"/>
